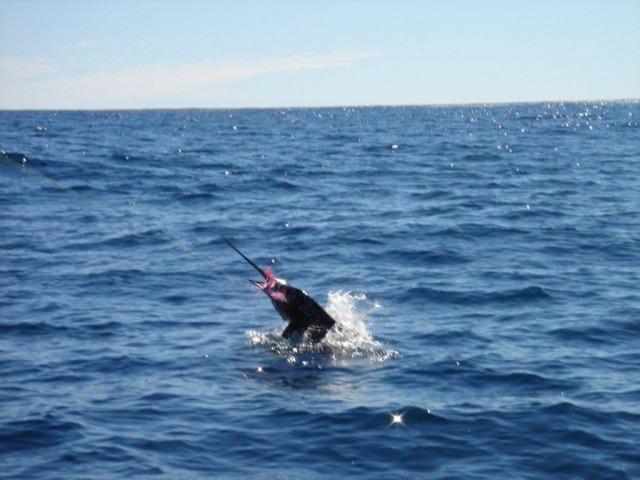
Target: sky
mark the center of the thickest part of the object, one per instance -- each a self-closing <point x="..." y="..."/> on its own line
<point x="99" y="54"/>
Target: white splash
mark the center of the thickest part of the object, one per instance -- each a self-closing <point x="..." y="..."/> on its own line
<point x="351" y="312"/>
<point x="349" y="338"/>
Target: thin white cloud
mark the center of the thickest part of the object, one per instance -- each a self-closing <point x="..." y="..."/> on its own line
<point x="20" y="68"/>
<point x="144" y="85"/>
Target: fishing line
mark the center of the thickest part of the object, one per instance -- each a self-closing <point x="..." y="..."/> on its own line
<point x="20" y="162"/>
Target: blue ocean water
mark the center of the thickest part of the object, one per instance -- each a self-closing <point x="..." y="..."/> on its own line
<point x="483" y="263"/>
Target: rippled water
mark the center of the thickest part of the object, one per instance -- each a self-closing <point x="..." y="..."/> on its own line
<point x="482" y="263"/>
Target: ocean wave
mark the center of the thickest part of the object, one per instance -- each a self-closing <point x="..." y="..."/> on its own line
<point x="474" y="297"/>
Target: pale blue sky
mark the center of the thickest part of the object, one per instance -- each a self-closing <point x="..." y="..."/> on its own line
<point x="242" y="53"/>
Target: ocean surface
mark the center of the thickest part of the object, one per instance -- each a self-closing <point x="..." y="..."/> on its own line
<point x="483" y="264"/>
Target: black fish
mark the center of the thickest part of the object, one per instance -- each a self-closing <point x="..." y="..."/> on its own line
<point x="296" y="307"/>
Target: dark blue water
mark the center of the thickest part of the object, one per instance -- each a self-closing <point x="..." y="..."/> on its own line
<point x="483" y="263"/>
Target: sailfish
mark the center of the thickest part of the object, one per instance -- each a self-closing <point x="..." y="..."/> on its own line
<point x="303" y="314"/>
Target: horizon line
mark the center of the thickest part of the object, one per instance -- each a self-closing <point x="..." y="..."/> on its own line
<point x="332" y="106"/>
